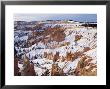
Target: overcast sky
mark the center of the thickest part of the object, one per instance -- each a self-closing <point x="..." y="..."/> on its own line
<point x="41" y="17"/>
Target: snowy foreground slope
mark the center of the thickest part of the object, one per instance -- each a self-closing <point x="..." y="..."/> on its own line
<point x="70" y="52"/>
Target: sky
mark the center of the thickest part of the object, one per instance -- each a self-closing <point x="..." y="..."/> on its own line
<point x="43" y="17"/>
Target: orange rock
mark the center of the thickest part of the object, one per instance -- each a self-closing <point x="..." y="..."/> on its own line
<point x="86" y="49"/>
<point x="16" y="68"/>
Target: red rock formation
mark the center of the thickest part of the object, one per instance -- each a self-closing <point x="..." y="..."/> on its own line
<point x="54" y="70"/>
<point x="56" y="57"/>
<point x="86" y="49"/>
<point x="16" y="68"/>
<point x="77" y="37"/>
<point x="28" y="68"/>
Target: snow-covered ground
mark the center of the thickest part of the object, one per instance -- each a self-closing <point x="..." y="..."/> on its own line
<point x="88" y="39"/>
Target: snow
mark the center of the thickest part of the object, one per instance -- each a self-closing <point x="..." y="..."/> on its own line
<point x="92" y="53"/>
<point x="41" y="45"/>
<point x="40" y="61"/>
<point x="38" y="71"/>
<point x="23" y="38"/>
<point x="71" y="65"/>
<point x="20" y="66"/>
<point x="61" y="64"/>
